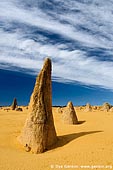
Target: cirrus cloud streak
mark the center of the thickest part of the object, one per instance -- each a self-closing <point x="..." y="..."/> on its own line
<point x="72" y="37"/>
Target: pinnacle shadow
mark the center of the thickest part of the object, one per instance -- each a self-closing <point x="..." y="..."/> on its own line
<point x="65" y="139"/>
<point x="81" y="122"/>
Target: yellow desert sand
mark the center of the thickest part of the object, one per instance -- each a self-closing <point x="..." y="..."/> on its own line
<point x="90" y="143"/>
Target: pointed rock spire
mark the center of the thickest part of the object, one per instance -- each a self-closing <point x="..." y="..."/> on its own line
<point x="14" y="104"/>
<point x="69" y="115"/>
<point x="39" y="132"/>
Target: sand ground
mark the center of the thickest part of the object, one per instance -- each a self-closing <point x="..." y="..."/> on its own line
<point x="88" y="144"/>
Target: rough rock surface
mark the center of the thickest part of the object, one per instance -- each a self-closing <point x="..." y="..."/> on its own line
<point x="14" y="104"/>
<point x="19" y="109"/>
<point x="69" y="115"/>
<point x="39" y="132"/>
<point x="106" y="107"/>
<point x="88" y="108"/>
<point x="111" y="110"/>
<point x="94" y="107"/>
<point x="60" y="110"/>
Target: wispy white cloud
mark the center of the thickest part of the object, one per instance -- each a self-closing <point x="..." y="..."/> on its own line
<point x="69" y="66"/>
<point x="91" y="27"/>
<point x="38" y="18"/>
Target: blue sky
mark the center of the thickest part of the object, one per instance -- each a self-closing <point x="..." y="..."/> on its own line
<point x="76" y="34"/>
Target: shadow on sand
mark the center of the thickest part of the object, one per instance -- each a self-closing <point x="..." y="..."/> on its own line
<point x="65" y="139"/>
<point x="81" y="122"/>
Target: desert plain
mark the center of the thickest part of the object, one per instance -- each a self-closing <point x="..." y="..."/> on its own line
<point x="87" y="145"/>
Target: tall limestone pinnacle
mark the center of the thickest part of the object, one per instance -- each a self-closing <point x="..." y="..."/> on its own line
<point x="39" y="132"/>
